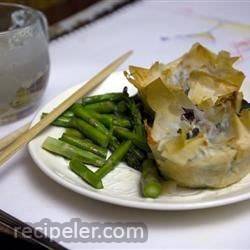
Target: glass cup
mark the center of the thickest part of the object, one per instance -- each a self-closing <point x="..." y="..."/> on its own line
<point x="24" y="60"/>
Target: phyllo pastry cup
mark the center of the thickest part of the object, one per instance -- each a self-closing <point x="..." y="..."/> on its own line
<point x="200" y="136"/>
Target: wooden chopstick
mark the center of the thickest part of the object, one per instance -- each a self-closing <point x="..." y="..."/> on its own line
<point x="8" y="139"/>
<point x="47" y="120"/>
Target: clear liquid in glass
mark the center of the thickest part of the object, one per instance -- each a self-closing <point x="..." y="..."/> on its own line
<point x="24" y="64"/>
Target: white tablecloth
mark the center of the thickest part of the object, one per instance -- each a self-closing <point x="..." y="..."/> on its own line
<point x="156" y="30"/>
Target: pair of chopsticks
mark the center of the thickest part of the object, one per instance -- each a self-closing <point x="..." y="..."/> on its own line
<point x="8" y="139"/>
<point x="17" y="230"/>
<point x="25" y="137"/>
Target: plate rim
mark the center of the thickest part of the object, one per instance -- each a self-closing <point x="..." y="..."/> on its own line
<point x="121" y="201"/>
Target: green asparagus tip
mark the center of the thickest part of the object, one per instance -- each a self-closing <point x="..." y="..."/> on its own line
<point x="150" y="180"/>
<point x="153" y="190"/>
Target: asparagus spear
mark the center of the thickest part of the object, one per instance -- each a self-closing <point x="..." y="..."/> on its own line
<point x="85" y="114"/>
<point x="114" y="159"/>
<point x="102" y="107"/>
<point x="137" y="119"/>
<point x="108" y="120"/>
<point x="113" y="144"/>
<point x="86" y="129"/>
<point x="105" y="119"/>
<point x="85" y="144"/>
<point x="150" y="180"/>
<point x="73" y="133"/>
<point x="77" y="166"/>
<point x="68" y="113"/>
<point x="121" y="122"/>
<point x="91" y="132"/>
<point x="69" y="151"/>
<point x="107" y="107"/>
<point x="97" y="120"/>
<point x="146" y="112"/>
<point x="134" y="156"/>
<point x="61" y="121"/>
<point x="128" y="135"/>
<point x="101" y="98"/>
<point x="121" y="107"/>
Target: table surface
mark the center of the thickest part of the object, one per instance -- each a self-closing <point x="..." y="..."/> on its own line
<point x="156" y="30"/>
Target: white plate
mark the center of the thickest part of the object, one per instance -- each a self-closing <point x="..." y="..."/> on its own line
<point x="121" y="186"/>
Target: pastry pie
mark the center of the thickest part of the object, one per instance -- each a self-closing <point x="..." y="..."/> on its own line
<point x="200" y="136"/>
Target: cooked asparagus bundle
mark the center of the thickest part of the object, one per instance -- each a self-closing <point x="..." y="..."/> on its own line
<point x="150" y="180"/>
<point x="69" y="151"/>
<point x="85" y="128"/>
<point x="90" y="132"/>
<point x="134" y="156"/>
<point x="106" y="119"/>
<point x="85" y="115"/>
<point x="97" y="118"/>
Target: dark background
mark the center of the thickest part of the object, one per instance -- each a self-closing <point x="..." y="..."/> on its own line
<point x="56" y="10"/>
